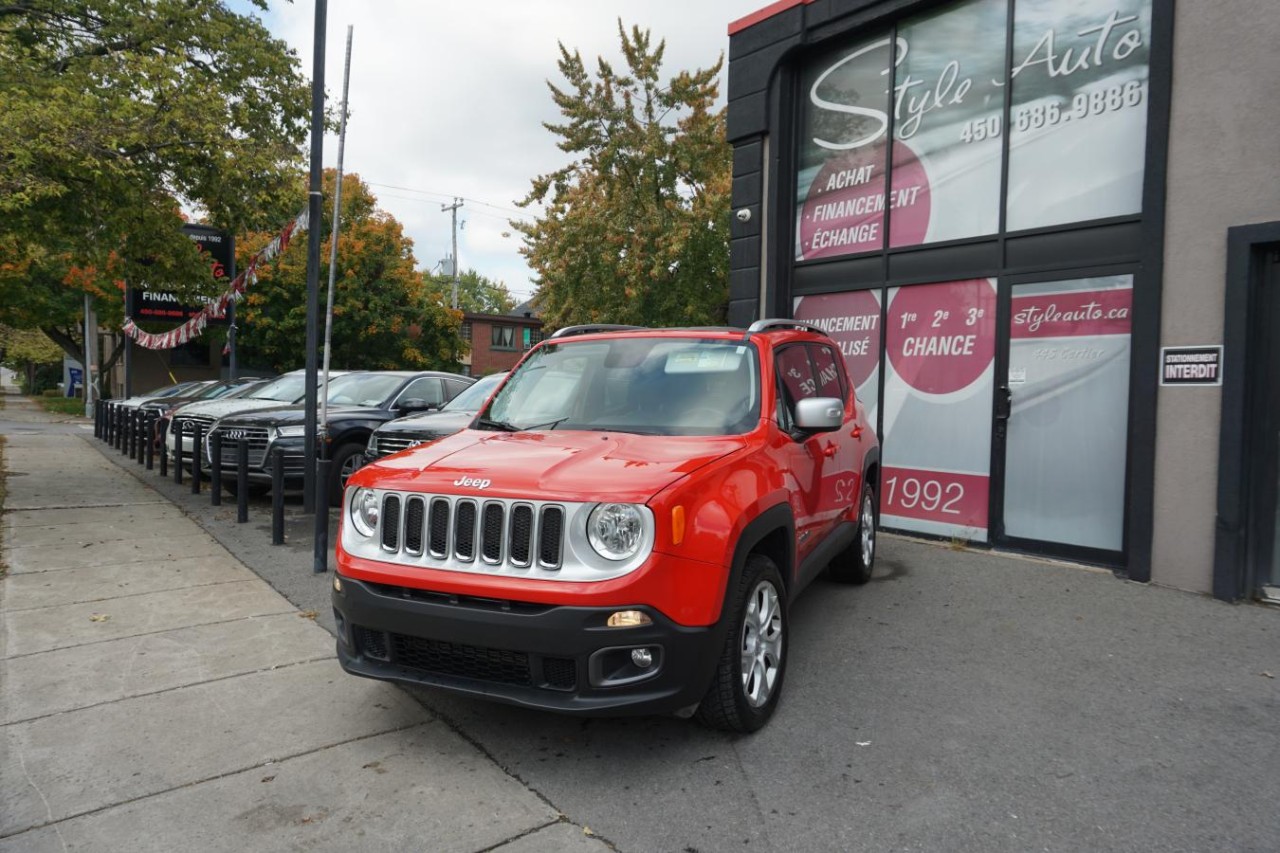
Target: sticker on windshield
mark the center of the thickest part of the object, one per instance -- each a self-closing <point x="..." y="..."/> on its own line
<point x="708" y="359"/>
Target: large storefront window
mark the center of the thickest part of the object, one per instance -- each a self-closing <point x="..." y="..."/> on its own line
<point x="936" y="84"/>
<point x="948" y="112"/>
<point x="841" y="179"/>
<point x="1078" y="125"/>
<point x="940" y="348"/>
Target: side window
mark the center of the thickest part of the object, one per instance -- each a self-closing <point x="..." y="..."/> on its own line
<point x="427" y="388"/>
<point x="795" y="376"/>
<point x="454" y="387"/>
<point x="796" y="373"/>
<point x="830" y="381"/>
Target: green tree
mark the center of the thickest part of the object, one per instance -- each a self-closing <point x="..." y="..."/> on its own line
<point x="384" y="315"/>
<point x="476" y="293"/>
<point x="117" y="114"/>
<point x="636" y="228"/>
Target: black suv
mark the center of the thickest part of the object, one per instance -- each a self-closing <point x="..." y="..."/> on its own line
<point x="457" y="414"/>
<point x="357" y="404"/>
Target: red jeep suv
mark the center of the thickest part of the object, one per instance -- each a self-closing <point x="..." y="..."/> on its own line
<point x="621" y="528"/>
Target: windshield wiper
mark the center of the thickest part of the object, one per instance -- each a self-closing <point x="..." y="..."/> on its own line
<point x="547" y="425"/>
<point x="498" y="426"/>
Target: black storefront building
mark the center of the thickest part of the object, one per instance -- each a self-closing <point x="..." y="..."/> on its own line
<point x="1044" y="234"/>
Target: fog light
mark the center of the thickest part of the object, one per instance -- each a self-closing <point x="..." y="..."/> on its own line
<point x="628" y="619"/>
<point x="642" y="658"/>
<point x="337" y="583"/>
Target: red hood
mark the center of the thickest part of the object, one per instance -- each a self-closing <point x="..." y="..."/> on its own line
<point x="566" y="466"/>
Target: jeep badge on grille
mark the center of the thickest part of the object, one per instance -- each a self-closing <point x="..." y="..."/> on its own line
<point x="473" y="482"/>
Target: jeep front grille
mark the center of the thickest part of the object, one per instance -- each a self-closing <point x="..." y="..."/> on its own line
<point x="474" y="533"/>
<point x="497" y="532"/>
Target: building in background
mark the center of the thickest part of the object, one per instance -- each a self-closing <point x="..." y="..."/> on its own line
<point x="498" y="341"/>
<point x="1045" y="234"/>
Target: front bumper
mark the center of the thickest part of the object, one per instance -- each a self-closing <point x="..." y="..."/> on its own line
<point x="554" y="658"/>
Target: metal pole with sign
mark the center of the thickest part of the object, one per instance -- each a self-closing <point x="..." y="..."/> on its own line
<point x="314" y="195"/>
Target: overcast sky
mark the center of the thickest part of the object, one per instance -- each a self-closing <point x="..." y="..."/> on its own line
<point x="448" y="99"/>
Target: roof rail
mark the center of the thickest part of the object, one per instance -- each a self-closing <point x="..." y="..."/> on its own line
<point x="592" y="328"/>
<point x="780" y="323"/>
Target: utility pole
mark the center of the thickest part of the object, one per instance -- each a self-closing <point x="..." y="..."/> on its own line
<point x="453" y="209"/>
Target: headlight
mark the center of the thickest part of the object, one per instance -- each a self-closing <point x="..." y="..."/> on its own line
<point x="615" y="531"/>
<point x="291" y="431"/>
<point x="364" y="511"/>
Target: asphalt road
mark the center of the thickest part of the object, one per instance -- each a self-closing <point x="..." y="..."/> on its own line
<point x="961" y="701"/>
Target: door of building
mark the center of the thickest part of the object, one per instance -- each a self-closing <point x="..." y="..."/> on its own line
<point x="1061" y="417"/>
<point x="1266" y="382"/>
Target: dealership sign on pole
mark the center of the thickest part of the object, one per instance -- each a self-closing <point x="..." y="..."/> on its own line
<point x="166" y="306"/>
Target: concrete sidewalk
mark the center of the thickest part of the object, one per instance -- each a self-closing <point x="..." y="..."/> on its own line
<point x="155" y="694"/>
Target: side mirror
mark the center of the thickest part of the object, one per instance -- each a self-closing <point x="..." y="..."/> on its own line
<point x="416" y="404"/>
<point x="819" y="414"/>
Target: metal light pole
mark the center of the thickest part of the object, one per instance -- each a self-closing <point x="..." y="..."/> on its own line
<point x="314" y="196"/>
<point x="320" y="551"/>
<point x="90" y="344"/>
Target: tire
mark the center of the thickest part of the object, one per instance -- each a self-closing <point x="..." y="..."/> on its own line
<point x="855" y="563"/>
<point x="344" y="463"/>
<point x="748" y="679"/>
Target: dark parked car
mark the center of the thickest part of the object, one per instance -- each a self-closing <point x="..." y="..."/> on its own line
<point x="357" y="404"/>
<point x="403" y="433"/>
<point x="173" y="390"/>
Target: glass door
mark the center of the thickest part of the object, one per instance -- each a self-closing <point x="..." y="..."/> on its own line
<point x="1062" y="416"/>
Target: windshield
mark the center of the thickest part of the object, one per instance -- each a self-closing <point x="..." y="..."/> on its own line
<point x="286" y="389"/>
<point x="474" y="396"/>
<point x="651" y="386"/>
<point x="363" y="389"/>
<point x="169" y="390"/>
<point x="212" y="392"/>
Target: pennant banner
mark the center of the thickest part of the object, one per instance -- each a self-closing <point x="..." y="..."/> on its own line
<point x="217" y="308"/>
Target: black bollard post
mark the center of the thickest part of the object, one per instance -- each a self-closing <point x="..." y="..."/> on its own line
<point x="105" y="432"/>
<point x="215" y="468"/>
<point x="242" y="481"/>
<point x="151" y="441"/>
<point x="197" y="457"/>
<point x="144" y="436"/>
<point x="164" y="461"/>
<point x="97" y="410"/>
<point x="117" y="427"/>
<point x="277" y="497"/>
<point x="178" y="455"/>
<point x="129" y="433"/>
<point x="320" y="548"/>
<point x="110" y="424"/>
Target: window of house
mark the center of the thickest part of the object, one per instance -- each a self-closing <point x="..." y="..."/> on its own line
<point x="503" y="337"/>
